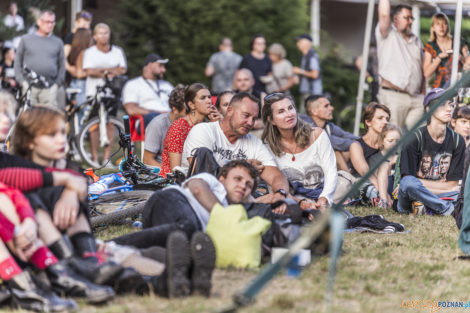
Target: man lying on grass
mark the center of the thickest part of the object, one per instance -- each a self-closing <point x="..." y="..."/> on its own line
<point x="431" y="164"/>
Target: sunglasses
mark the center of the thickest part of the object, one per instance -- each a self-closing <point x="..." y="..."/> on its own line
<point x="277" y="94"/>
<point x="86" y="15"/>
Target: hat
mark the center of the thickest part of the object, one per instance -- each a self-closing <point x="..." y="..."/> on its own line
<point x="304" y="36"/>
<point x="432" y="95"/>
<point x="154" y="58"/>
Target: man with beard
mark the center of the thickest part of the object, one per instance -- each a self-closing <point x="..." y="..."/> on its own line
<point x="148" y="94"/>
<point x="400" y="64"/>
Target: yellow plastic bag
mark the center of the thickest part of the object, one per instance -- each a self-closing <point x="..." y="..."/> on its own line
<point x="237" y="239"/>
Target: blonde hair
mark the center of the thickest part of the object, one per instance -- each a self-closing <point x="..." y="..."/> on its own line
<point x="389" y="127"/>
<point x="101" y="25"/>
<point x="277" y="49"/>
<point x="436" y="17"/>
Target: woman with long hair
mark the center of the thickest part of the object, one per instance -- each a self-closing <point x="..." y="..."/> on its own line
<point x="74" y="65"/>
<point x="438" y="53"/>
<point x="198" y="106"/>
<point x="303" y="153"/>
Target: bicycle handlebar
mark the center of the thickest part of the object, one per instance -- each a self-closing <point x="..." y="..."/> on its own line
<point x="34" y="79"/>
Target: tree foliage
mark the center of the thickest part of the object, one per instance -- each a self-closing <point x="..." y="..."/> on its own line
<point x="188" y="32"/>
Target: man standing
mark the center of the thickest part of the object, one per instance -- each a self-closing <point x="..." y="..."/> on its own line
<point x="148" y="94"/>
<point x="446" y="151"/>
<point x="230" y="139"/>
<point x="399" y="53"/>
<point x="309" y="70"/>
<point x="222" y="66"/>
<point x="43" y="53"/>
<point x="257" y="61"/>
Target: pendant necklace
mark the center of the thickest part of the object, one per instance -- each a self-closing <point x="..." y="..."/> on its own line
<point x="293" y="154"/>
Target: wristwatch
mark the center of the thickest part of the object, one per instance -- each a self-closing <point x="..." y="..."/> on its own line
<point x="282" y="192"/>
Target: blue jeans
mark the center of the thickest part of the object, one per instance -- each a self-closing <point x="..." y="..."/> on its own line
<point x="411" y="189"/>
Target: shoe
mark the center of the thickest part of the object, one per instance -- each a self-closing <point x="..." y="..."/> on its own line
<point x="26" y="294"/>
<point x="203" y="256"/>
<point x="175" y="278"/>
<point x="131" y="282"/>
<point x="64" y="280"/>
<point x="418" y="208"/>
<point x="5" y="294"/>
<point x="100" y="274"/>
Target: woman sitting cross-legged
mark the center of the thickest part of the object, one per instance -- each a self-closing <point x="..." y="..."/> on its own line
<point x="303" y="153"/>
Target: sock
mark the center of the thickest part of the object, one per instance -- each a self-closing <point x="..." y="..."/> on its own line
<point x="85" y="246"/>
<point x="43" y="258"/>
<point x="9" y="268"/>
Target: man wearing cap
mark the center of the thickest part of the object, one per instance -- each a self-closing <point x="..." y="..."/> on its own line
<point x="431" y="164"/>
<point x="148" y="94"/>
<point x="399" y="53"/>
<point x="102" y="59"/>
<point x="309" y="70"/>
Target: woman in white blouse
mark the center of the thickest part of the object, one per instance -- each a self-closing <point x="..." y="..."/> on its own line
<point x="303" y="153"/>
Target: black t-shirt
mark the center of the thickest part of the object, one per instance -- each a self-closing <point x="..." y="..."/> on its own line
<point x="68" y="38"/>
<point x="259" y="67"/>
<point x="370" y="155"/>
<point x="437" y="161"/>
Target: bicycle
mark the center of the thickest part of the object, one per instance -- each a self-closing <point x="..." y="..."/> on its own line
<point x="91" y="138"/>
<point x="127" y="201"/>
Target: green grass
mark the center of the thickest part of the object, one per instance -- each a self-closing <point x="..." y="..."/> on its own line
<point x="376" y="273"/>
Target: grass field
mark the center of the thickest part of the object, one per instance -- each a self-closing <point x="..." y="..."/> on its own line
<point x="376" y="273"/>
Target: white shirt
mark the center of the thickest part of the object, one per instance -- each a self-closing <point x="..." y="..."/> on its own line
<point x="211" y="136"/>
<point x="217" y="189"/>
<point x="96" y="59"/>
<point x="14" y="21"/>
<point x="148" y="94"/>
<point x="313" y="166"/>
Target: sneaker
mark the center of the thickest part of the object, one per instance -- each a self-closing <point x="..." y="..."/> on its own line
<point x="203" y="256"/>
<point x="418" y="208"/>
<point x="177" y="265"/>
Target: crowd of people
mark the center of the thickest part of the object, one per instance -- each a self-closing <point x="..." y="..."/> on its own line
<point x="242" y="141"/>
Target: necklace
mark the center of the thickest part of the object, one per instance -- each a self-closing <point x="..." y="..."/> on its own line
<point x="293" y="154"/>
<point x="190" y="120"/>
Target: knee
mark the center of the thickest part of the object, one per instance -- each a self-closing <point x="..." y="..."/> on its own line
<point x="408" y="182"/>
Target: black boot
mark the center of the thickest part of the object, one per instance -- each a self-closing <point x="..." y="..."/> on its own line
<point x="203" y="257"/>
<point x="27" y="295"/>
<point x="104" y="274"/>
<point x="64" y="280"/>
<point x="174" y="281"/>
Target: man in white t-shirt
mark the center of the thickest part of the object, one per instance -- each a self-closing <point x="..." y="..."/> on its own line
<point x="230" y="139"/>
<point x="148" y="94"/>
<point x="102" y="59"/>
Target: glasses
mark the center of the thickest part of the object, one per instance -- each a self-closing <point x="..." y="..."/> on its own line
<point x="408" y="18"/>
<point x="48" y="22"/>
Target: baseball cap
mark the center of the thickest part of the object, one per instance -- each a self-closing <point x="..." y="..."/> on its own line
<point x="153" y="57"/>
<point x="304" y="36"/>
<point x="433" y="95"/>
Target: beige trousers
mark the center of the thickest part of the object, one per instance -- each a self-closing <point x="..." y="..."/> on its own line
<point x="406" y="110"/>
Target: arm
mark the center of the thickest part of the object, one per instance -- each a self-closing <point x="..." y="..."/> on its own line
<point x="175" y="159"/>
<point x="203" y="194"/>
<point x="357" y="159"/>
<point x="327" y="162"/>
<point x="61" y="67"/>
<point x="385" y="21"/>
<point x="18" y="64"/>
<point x="209" y="70"/>
<point x="274" y="178"/>
<point x="439" y="186"/>
<point x="133" y="108"/>
<point x="149" y="159"/>
<point x="80" y="73"/>
<point x="430" y="65"/>
<point x="382" y="180"/>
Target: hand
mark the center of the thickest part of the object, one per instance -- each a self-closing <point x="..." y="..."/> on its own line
<point x="257" y="164"/>
<point x="25" y="234"/>
<point x="66" y="209"/>
<point x="297" y="70"/>
<point x="77" y="184"/>
<point x="307" y="205"/>
<point x="322" y="204"/>
<point x="395" y="192"/>
<point x="442" y="55"/>
<point x="215" y="115"/>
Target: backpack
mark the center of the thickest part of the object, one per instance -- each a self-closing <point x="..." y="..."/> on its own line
<point x="419" y="135"/>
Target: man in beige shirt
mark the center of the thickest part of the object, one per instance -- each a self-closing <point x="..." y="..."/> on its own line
<point x="400" y="65"/>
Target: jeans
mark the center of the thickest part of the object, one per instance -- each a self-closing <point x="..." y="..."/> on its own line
<point x="411" y="189"/>
<point x="79" y="97"/>
<point x="165" y="211"/>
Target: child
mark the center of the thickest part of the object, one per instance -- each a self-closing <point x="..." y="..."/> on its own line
<point x="389" y="136"/>
<point x="461" y="122"/>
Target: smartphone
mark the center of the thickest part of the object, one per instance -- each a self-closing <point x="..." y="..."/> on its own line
<point x="450" y="51"/>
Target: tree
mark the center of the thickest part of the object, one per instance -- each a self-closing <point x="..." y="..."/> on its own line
<point x="188" y="32"/>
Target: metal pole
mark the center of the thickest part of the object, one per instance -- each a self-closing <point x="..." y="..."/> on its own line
<point x="315" y="21"/>
<point x="455" y="58"/>
<point x="365" y="58"/>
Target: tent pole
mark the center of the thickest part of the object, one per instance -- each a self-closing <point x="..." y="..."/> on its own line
<point x="365" y="59"/>
<point x="456" y="48"/>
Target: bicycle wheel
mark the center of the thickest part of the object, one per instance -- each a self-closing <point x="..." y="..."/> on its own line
<point x="113" y="208"/>
<point x="89" y="143"/>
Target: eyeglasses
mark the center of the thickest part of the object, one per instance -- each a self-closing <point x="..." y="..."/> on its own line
<point x="408" y="18"/>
